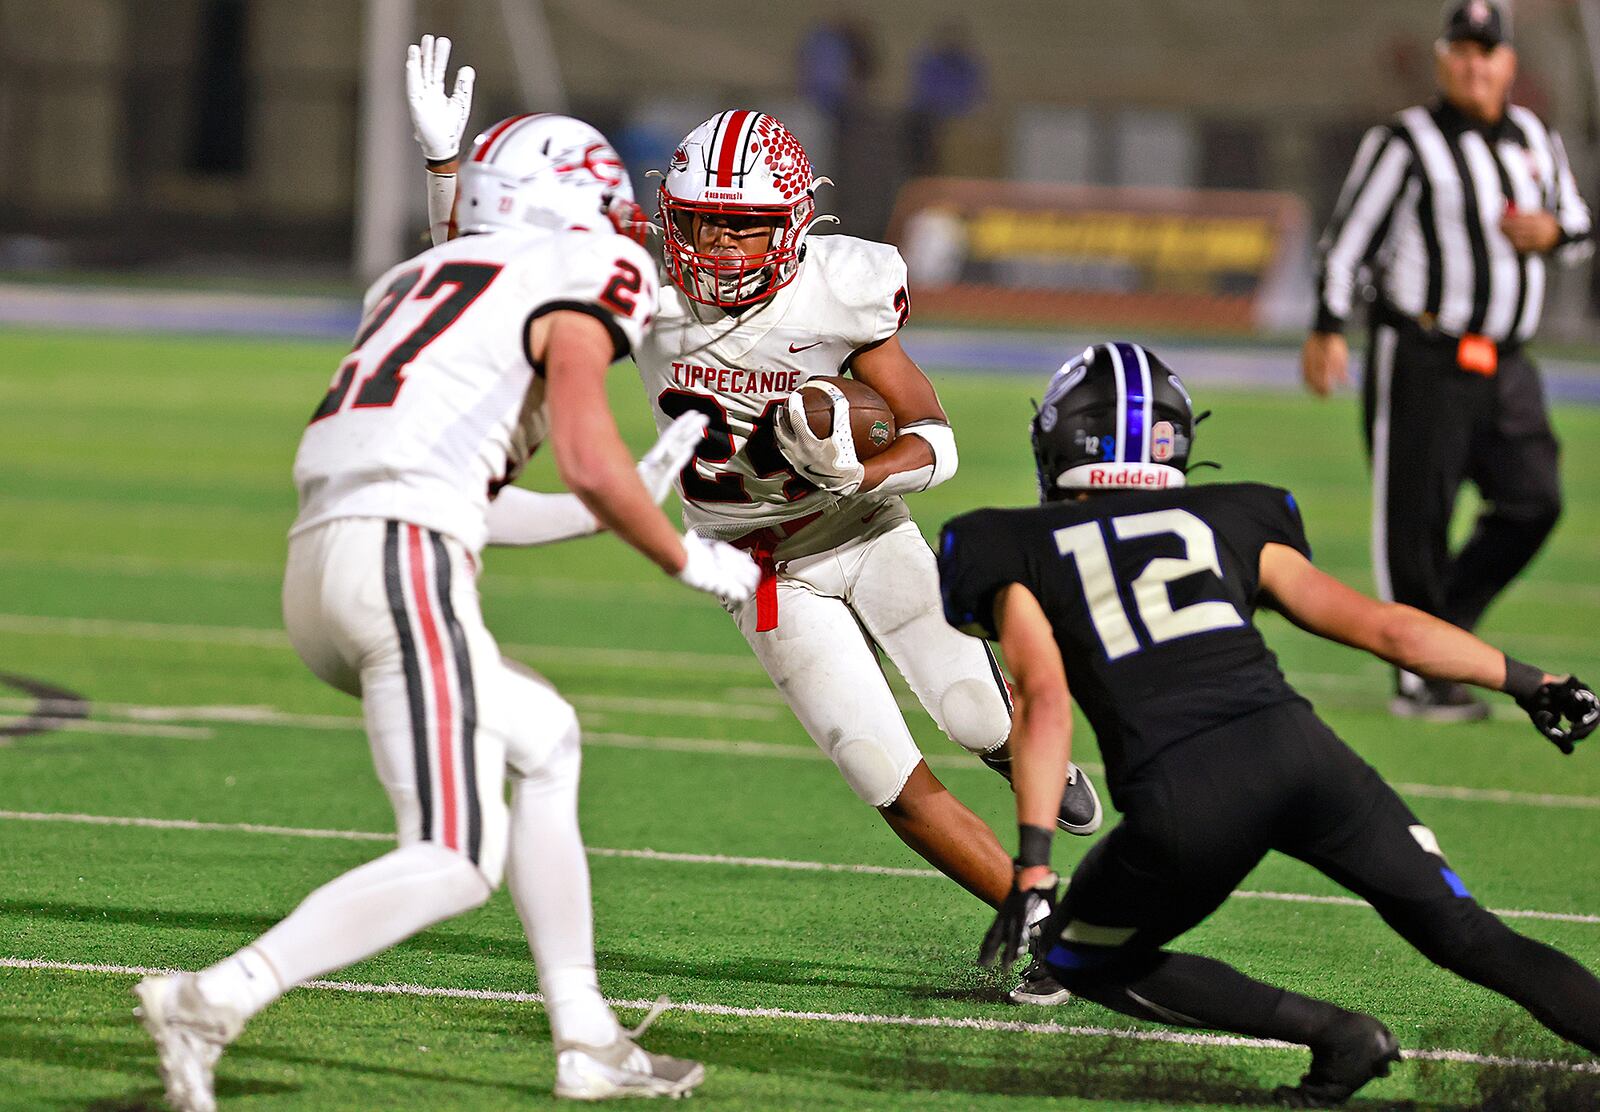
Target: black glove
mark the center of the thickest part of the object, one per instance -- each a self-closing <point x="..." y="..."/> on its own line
<point x="1007" y="938"/>
<point x="1571" y="699"/>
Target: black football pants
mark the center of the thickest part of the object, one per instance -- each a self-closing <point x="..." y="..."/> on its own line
<point x="1199" y="817"/>
<point x="1430" y="426"/>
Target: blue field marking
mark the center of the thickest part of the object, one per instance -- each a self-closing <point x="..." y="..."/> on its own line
<point x="1257" y="366"/>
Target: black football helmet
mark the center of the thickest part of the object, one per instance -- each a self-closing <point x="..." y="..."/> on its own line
<point x="1114" y="418"/>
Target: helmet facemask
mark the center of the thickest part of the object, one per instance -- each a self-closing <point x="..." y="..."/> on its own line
<point x="740" y="165"/>
<point x="731" y="279"/>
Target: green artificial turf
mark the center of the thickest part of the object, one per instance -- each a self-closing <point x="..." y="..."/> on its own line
<point x="144" y="496"/>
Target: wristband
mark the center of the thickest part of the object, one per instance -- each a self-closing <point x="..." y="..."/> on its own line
<point x="1522" y="680"/>
<point x="1033" y="845"/>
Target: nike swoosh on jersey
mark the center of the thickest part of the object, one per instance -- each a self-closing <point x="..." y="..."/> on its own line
<point x="803" y="347"/>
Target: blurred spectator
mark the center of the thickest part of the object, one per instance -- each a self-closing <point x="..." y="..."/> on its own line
<point x="934" y="244"/>
<point x="839" y="63"/>
<point x="947" y="81"/>
<point x="837" y="60"/>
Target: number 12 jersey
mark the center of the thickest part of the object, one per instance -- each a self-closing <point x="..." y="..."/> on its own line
<point x="1151" y="595"/>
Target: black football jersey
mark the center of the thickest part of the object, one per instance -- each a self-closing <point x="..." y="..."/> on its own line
<point x="1152" y="596"/>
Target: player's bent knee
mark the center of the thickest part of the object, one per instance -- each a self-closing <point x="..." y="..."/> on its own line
<point x="559" y="750"/>
<point x="975" y="715"/>
<point x="874" y="772"/>
<point x="454" y="881"/>
<point x="539" y="727"/>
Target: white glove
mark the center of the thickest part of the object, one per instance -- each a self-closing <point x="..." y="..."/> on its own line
<point x="719" y="569"/>
<point x="437" y="121"/>
<point x="829" y="462"/>
<point x="671" y="453"/>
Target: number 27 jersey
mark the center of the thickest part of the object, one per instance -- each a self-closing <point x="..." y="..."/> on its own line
<point x="439" y="405"/>
<point x="1151" y="595"/>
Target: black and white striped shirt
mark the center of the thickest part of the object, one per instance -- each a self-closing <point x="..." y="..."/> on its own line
<point x="1422" y="207"/>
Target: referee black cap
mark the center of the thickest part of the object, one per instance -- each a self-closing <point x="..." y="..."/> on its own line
<point x="1481" y="21"/>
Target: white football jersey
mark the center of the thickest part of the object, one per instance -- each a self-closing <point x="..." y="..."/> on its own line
<point x="437" y="406"/>
<point x="738" y="369"/>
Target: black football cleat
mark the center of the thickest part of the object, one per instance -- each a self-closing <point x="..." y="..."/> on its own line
<point x="1080" y="811"/>
<point x="1038" y="986"/>
<point x="1439" y="701"/>
<point x="1358" y="1048"/>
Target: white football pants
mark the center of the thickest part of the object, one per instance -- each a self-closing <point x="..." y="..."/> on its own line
<point x="874" y="586"/>
<point x="389" y="611"/>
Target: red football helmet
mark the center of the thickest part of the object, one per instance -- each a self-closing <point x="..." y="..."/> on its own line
<point x="738" y="163"/>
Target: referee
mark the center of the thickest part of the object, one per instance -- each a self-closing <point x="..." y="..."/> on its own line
<point x="1452" y="208"/>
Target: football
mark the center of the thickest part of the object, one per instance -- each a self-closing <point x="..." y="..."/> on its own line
<point x="871" y="424"/>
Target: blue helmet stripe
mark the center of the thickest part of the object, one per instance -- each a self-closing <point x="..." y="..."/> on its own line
<point x="1135" y="387"/>
<point x="1120" y="372"/>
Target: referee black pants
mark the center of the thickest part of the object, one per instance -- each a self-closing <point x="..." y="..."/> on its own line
<point x="1431" y="425"/>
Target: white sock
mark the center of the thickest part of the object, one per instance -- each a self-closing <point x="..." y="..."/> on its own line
<point x="245" y="981"/>
<point x="352" y="917"/>
<point x="548" y="873"/>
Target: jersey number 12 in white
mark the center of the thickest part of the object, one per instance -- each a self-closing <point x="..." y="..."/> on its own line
<point x="1086" y="545"/>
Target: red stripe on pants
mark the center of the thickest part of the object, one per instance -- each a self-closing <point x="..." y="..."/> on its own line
<point x="443" y="709"/>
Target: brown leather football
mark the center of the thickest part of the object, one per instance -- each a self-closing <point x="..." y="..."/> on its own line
<point x="871" y="424"/>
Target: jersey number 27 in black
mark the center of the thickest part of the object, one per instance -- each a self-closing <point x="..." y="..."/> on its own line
<point x="382" y="386"/>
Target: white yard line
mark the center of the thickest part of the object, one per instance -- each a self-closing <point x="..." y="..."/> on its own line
<point x="258" y="715"/>
<point x="853" y="1019"/>
<point x="120" y="729"/>
<point x="77" y="819"/>
<point x="688" y="708"/>
<point x="1494" y="795"/>
<point x="251" y="637"/>
<point x="726" y="747"/>
<point x="503" y="582"/>
<point x="677" y="858"/>
<point x="144" y="631"/>
<point x="651" y="660"/>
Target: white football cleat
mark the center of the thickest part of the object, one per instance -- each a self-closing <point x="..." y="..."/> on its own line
<point x="190" y="1034"/>
<point x="624" y="1068"/>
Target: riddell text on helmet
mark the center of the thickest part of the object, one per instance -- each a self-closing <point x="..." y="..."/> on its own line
<point x="1103" y="476"/>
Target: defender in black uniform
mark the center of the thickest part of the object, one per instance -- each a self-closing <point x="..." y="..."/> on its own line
<point x="1135" y="594"/>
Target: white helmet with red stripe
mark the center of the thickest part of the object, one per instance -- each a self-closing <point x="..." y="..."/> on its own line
<point x="545" y="171"/>
<point x="737" y="163"/>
